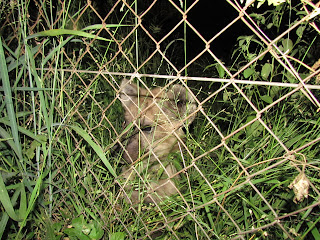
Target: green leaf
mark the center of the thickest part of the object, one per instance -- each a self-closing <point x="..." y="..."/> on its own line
<point x="72" y="232"/>
<point x="23" y="202"/>
<point x="3" y="223"/>
<point x="266" y="70"/>
<point x="6" y="202"/>
<point x="287" y="45"/>
<point x="96" y="232"/>
<point x="226" y="96"/>
<point x="95" y="147"/>
<point x="59" y="32"/>
<point x="314" y="229"/>
<point x="220" y="70"/>
<point x="79" y="228"/>
<point x="254" y="129"/>
<point x="117" y="236"/>
<point x="99" y="26"/>
<point x="7" y="137"/>
<point x="270" y="25"/>
<point x="32" y="200"/>
<point x="267" y="99"/>
<point x="274" y="91"/>
<point x="38" y="138"/>
<point x="30" y="153"/>
<point x="300" y="30"/>
<point x="9" y="103"/>
<point x="248" y="72"/>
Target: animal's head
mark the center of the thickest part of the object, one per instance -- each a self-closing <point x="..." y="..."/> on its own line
<point x="158" y="117"/>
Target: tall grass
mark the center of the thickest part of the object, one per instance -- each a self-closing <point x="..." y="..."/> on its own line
<point x="34" y="120"/>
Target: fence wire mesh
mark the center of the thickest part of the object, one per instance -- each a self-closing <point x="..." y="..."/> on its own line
<point x="197" y="142"/>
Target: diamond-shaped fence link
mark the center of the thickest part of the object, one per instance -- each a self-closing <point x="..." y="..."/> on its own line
<point x="153" y="130"/>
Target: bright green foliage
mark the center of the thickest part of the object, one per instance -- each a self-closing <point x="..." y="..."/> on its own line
<point x="61" y="125"/>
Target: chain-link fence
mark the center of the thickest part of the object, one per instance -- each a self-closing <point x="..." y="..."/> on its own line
<point x="162" y="119"/>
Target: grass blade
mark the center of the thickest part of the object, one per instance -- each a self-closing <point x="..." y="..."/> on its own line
<point x="59" y="32"/>
<point x="6" y="202"/>
<point x="9" y="104"/>
<point x="95" y="147"/>
<point x="23" y="202"/>
<point x="34" y="196"/>
<point x="314" y="231"/>
<point x="7" y="137"/>
<point x="99" y="26"/>
<point x="38" y="138"/>
<point x="3" y="223"/>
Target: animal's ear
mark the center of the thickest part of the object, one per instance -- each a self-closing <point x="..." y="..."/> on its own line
<point x="128" y="98"/>
<point x="181" y="103"/>
<point x="128" y="92"/>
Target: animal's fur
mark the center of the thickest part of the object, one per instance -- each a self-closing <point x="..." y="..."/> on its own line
<point x="157" y="116"/>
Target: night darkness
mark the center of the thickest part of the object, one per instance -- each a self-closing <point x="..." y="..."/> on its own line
<point x="208" y="17"/>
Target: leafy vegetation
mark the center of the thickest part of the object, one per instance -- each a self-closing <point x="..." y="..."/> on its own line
<point x="250" y="148"/>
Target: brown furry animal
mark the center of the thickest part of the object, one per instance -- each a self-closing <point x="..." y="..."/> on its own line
<point x="157" y="116"/>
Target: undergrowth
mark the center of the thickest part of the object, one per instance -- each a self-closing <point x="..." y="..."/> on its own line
<point x="61" y="130"/>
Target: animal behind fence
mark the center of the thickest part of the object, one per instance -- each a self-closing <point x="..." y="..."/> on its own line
<point x="158" y="117"/>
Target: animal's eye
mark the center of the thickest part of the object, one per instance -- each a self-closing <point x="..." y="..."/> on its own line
<point x="147" y="129"/>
